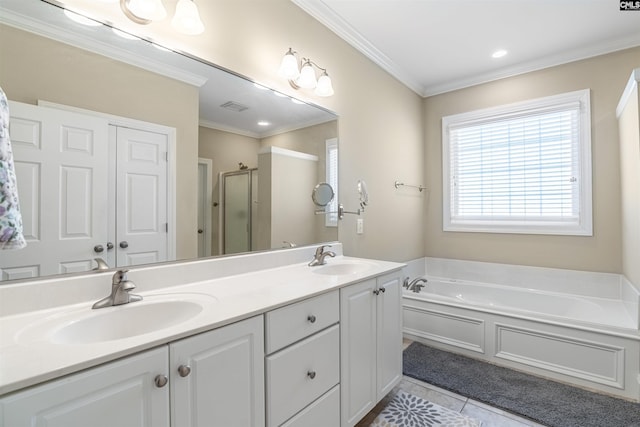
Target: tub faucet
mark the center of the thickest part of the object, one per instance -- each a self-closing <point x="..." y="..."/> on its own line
<point x="120" y="291"/>
<point x="318" y="258"/>
<point x="415" y="285"/>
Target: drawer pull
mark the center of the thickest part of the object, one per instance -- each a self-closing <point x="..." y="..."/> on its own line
<point x="184" y="370"/>
<point x="382" y="290"/>
<point x="311" y="374"/>
<point x="376" y="291"/>
<point x="160" y="381"/>
<point x="311" y="319"/>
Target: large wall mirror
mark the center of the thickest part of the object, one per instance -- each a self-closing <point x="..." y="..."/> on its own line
<point x="135" y="154"/>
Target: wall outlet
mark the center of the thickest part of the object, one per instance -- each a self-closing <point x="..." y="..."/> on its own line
<point x="360" y="226"/>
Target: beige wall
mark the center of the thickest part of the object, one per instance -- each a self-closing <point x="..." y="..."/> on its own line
<point x="629" y="122"/>
<point x="380" y="125"/>
<point x="606" y="76"/>
<point x="311" y="140"/>
<point x="34" y="68"/>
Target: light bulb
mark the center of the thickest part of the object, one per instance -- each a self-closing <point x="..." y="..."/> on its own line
<point x="289" y="66"/>
<point x="324" y="88"/>
<point x="307" y="77"/>
<point x="187" y="19"/>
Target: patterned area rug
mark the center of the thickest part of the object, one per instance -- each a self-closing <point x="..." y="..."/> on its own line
<point x="407" y="410"/>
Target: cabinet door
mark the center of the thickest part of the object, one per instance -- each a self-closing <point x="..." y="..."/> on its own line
<point x="357" y="350"/>
<point x="389" y="334"/>
<point x="120" y="393"/>
<point x="225" y="385"/>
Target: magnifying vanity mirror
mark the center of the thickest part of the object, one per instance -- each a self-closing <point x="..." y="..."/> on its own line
<point x="322" y="194"/>
<point x="153" y="140"/>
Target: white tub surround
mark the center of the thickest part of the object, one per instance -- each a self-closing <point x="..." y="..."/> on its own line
<point x="572" y="326"/>
<point x="232" y="288"/>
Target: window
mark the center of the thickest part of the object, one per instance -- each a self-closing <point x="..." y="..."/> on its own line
<point x="331" y="218"/>
<point x="520" y="168"/>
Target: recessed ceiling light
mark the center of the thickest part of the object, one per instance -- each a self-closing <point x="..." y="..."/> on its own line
<point x="263" y="123"/>
<point x="499" y="53"/>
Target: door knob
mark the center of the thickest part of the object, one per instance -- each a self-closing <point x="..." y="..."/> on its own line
<point x="200" y="231"/>
<point x="98" y="248"/>
<point x="124" y="244"/>
<point x="109" y="246"/>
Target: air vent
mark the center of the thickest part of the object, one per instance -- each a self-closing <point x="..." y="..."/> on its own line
<point x="234" y="106"/>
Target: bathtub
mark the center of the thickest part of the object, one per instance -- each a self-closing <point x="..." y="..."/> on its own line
<point x="588" y="341"/>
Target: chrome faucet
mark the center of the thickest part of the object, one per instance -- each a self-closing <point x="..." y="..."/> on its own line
<point x="120" y="291"/>
<point x="415" y="285"/>
<point x="318" y="258"/>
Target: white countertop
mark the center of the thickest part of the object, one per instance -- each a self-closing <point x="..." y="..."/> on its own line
<point x="28" y="358"/>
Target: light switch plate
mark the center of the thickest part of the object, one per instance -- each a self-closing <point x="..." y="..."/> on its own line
<point x="360" y="226"/>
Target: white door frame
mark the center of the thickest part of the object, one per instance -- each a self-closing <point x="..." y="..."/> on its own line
<point x="208" y="191"/>
<point x="170" y="132"/>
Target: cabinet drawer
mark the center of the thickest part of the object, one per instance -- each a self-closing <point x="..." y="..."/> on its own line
<point x="289" y="324"/>
<point x="323" y="412"/>
<point x="298" y="375"/>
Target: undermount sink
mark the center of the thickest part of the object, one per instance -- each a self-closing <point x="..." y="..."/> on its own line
<point x="342" y="268"/>
<point x="89" y="326"/>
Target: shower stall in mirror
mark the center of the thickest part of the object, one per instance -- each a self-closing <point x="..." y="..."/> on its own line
<point x="239" y="197"/>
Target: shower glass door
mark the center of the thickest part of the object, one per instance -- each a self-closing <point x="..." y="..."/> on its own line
<point x="237" y="212"/>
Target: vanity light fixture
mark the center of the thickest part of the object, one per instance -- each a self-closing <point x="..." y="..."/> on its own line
<point x="305" y="77"/>
<point x="186" y="19"/>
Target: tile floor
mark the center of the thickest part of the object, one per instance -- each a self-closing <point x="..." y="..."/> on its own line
<point x="490" y="416"/>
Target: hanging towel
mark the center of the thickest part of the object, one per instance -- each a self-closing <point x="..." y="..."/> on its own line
<point x="11" y="236"/>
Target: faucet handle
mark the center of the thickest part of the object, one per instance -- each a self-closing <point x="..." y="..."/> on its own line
<point x="320" y="249"/>
<point x="120" y="276"/>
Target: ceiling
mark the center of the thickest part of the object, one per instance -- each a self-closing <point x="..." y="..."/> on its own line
<point x="435" y="46"/>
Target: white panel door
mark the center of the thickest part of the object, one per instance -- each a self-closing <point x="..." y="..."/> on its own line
<point x="224" y="385"/>
<point x="141" y="193"/>
<point x="61" y="167"/>
<point x="121" y="393"/>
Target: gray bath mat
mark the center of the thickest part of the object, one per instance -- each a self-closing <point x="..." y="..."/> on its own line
<point x="544" y="401"/>
<point x="407" y="410"/>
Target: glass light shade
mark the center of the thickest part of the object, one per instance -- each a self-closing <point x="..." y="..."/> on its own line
<point x="324" y="88"/>
<point x="307" y="77"/>
<point x="289" y="66"/>
<point x="187" y="19"/>
<point x="152" y="10"/>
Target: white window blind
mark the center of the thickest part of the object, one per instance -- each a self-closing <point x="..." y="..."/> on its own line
<point x="524" y="168"/>
<point x="331" y="218"/>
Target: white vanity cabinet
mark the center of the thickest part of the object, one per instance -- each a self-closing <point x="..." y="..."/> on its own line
<point x="303" y="363"/>
<point x="217" y="377"/>
<point x="370" y="344"/>
<point x="212" y="379"/>
<point x="121" y="393"/>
